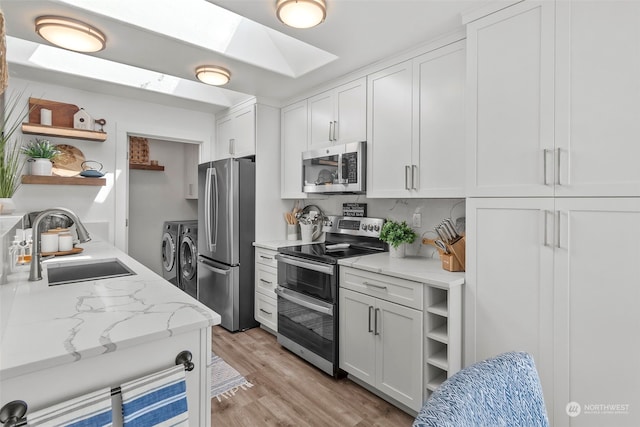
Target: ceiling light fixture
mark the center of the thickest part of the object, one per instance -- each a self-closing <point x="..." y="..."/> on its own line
<point x="70" y="34"/>
<point x="213" y="75"/>
<point x="301" y="13"/>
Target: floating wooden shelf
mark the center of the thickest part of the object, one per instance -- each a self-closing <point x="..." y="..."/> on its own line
<point x="146" y="167"/>
<point x="63" y="132"/>
<point x="62" y="180"/>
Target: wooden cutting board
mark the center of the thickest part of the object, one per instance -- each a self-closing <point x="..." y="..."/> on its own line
<point x="68" y="162"/>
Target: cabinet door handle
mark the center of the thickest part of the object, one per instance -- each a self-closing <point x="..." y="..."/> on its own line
<point x="558" y="229"/>
<point x="374" y="286"/>
<point x="545" y="155"/>
<point x="335" y="130"/>
<point x="266" y="281"/>
<point x="268" y="313"/>
<point x="407" y="170"/>
<point x="558" y="170"/>
<point x="370" y="310"/>
<point x="375" y="322"/>
<point x="414" y="179"/>
<point x="330" y="126"/>
<point x="546" y="227"/>
<point x="266" y="257"/>
<point x="232" y="143"/>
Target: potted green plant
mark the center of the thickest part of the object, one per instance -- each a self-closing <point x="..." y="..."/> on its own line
<point x="396" y="234"/>
<point x="11" y="162"/>
<point x="41" y="152"/>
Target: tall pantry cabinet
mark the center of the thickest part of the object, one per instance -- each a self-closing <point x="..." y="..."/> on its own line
<point x="553" y="216"/>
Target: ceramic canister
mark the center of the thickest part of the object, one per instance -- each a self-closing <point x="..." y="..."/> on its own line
<point x="48" y="242"/>
<point x="65" y="242"/>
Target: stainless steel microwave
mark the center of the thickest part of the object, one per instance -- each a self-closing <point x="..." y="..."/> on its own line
<point x="335" y="169"/>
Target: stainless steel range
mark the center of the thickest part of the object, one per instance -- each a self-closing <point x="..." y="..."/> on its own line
<point x="308" y="287"/>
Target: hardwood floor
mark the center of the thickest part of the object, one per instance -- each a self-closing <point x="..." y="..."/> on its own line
<point x="287" y="391"/>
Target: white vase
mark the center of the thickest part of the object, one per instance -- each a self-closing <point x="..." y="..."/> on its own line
<point x="7" y="206"/>
<point x="41" y="167"/>
<point x="398" y="252"/>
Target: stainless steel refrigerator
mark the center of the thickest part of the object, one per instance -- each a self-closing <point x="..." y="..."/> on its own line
<point x="226" y="230"/>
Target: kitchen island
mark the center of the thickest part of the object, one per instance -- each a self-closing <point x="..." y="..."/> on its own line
<point x="59" y="342"/>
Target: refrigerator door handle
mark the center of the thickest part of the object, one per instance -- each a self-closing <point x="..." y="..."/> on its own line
<point x="210" y="266"/>
<point x="211" y="230"/>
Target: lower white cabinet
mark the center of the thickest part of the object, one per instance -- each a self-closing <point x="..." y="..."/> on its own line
<point x="381" y="341"/>
<point x="559" y="278"/>
<point x="266" y="280"/>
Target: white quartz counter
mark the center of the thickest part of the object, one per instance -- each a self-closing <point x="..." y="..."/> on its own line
<point x="425" y="270"/>
<point x="47" y="326"/>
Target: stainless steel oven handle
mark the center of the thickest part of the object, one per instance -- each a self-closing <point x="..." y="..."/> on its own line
<point x="305" y="301"/>
<point x="308" y="264"/>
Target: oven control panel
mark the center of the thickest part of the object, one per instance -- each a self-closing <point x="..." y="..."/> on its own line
<point x="356" y="226"/>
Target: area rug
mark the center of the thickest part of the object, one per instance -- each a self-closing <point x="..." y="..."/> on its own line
<point x="225" y="380"/>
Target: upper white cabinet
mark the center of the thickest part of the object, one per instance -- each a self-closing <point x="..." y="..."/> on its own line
<point x="293" y="141"/>
<point x="236" y="133"/>
<point x="598" y="98"/>
<point x="510" y="116"/>
<point x="338" y="115"/>
<point x="390" y="98"/>
<point x="416" y="126"/>
<point x="191" y="161"/>
<point x="554" y="100"/>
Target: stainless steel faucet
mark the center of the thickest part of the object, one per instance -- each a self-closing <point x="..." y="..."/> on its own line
<point x="83" y="235"/>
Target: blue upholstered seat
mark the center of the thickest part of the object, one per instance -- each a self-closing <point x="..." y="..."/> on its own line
<point x="502" y="391"/>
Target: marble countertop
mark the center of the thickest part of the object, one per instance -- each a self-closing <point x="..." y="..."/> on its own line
<point x="425" y="270"/>
<point x="45" y="326"/>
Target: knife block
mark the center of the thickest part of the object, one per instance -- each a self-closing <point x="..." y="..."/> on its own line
<point x="450" y="262"/>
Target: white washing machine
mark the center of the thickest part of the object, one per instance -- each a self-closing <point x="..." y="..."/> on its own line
<point x="188" y="258"/>
<point x="171" y="232"/>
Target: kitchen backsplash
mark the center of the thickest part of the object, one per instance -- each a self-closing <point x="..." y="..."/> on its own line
<point x="432" y="212"/>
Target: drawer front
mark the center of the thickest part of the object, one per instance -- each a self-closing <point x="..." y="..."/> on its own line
<point x="266" y="311"/>
<point x="388" y="288"/>
<point x="266" y="279"/>
<point x="266" y="257"/>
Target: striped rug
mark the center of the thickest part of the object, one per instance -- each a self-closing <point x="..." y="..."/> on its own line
<point x="225" y="380"/>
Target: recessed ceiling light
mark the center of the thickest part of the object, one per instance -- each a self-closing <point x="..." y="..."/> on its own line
<point x="70" y="34"/>
<point x="213" y="75"/>
<point x="301" y="13"/>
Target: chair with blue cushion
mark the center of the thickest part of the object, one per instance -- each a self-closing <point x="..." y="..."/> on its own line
<point x="501" y="391"/>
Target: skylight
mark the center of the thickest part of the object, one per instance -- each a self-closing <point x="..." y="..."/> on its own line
<point x="214" y="28"/>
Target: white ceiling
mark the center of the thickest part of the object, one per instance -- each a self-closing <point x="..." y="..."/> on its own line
<point x="357" y="32"/>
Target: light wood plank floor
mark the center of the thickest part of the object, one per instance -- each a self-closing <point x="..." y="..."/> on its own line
<point x="288" y="391"/>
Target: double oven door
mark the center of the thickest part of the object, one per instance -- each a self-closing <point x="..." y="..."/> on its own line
<point x="307" y="314"/>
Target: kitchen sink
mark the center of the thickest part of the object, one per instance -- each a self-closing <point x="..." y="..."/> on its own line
<point x="63" y="272"/>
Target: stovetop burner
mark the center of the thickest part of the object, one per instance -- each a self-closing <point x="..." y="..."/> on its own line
<point x="345" y="237"/>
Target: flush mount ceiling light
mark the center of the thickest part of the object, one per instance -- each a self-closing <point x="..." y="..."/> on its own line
<point x="70" y="34"/>
<point x="301" y="13"/>
<point x="213" y="75"/>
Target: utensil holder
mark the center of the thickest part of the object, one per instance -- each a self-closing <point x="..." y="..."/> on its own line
<point x="450" y="262"/>
<point x="293" y="232"/>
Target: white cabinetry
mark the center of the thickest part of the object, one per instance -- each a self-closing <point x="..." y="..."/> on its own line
<point x="550" y="277"/>
<point x="381" y="326"/>
<point x="553" y="100"/>
<point x="338" y="115"/>
<point x="416" y="126"/>
<point x="266" y="280"/>
<point x="510" y="151"/>
<point x="293" y="134"/>
<point x="235" y="132"/>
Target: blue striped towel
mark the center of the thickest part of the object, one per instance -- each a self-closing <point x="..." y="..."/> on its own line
<point x="90" y="410"/>
<point x="159" y="399"/>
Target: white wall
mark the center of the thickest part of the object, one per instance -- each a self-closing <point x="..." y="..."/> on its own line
<point x="124" y="116"/>
<point x="155" y="197"/>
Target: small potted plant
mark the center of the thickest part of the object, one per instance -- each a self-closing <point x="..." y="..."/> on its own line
<point x="396" y="234"/>
<point x="40" y="152"/>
